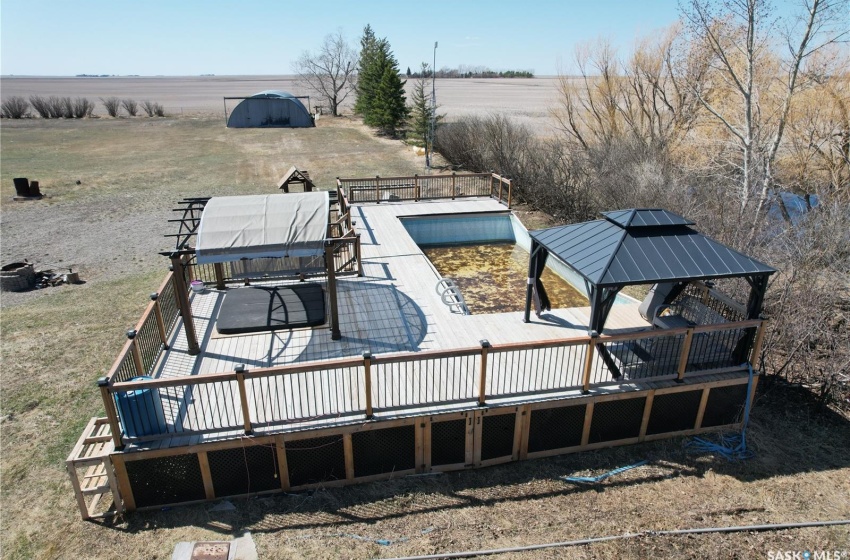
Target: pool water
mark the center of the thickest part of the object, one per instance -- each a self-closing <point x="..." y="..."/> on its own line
<point x="492" y="277"/>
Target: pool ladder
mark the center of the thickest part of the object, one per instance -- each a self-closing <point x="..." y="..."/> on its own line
<point x="450" y="295"/>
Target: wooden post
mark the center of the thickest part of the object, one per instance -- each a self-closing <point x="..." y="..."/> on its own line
<point x="160" y="323"/>
<point x="453" y="185"/>
<point x="206" y="476"/>
<point x="181" y="290"/>
<point x="137" y="354"/>
<point x="358" y="250"/>
<point x="509" y="193"/>
<point x="124" y="488"/>
<point x="282" y="465"/>
<point x="588" y="421"/>
<point x="647" y="410"/>
<point x="329" y="262"/>
<point x="588" y="362"/>
<point x="416" y="191"/>
<point x="367" y="377"/>
<point x="482" y="376"/>
<point x="219" y="276"/>
<point x="686" y="351"/>
<point x="348" y="454"/>
<point x="756" y="353"/>
<point x="111" y="413"/>
<point x="243" y="398"/>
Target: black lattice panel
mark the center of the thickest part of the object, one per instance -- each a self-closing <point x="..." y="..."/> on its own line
<point x="244" y="470"/>
<point x="448" y="442"/>
<point x="613" y="420"/>
<point x="315" y="460"/>
<point x="497" y="436"/>
<point x="674" y="412"/>
<point x="166" y="480"/>
<point x="555" y="428"/>
<point x="384" y="451"/>
<point x="724" y="405"/>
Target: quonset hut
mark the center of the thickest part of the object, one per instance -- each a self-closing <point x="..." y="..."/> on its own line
<point x="270" y="109"/>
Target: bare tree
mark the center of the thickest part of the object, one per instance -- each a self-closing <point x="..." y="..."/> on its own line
<point x="15" y="108"/>
<point x="331" y="71"/>
<point x="112" y="105"/>
<point x="750" y="92"/>
<point x="131" y="106"/>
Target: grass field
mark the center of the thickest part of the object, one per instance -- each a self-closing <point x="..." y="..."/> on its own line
<point x="56" y="342"/>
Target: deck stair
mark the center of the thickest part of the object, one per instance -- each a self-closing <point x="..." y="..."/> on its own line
<point x="91" y="472"/>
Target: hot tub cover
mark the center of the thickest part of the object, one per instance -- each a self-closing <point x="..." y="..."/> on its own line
<point x="271" y="225"/>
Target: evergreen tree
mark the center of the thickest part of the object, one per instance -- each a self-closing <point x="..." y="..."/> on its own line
<point x="421" y="112"/>
<point x="389" y="109"/>
<point x="380" y="89"/>
<point x="369" y="71"/>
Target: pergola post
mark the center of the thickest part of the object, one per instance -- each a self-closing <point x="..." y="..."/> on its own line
<point x="329" y="263"/>
<point x="181" y="290"/>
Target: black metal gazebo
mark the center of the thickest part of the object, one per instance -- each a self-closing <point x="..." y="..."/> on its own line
<point x="639" y="246"/>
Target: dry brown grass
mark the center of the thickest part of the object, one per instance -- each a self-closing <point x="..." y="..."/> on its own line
<point x="56" y="342"/>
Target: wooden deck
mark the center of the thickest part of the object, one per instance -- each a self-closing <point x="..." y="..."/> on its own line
<point x="392" y="310"/>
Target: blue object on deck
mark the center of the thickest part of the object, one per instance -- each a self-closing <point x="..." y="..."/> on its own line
<point x="140" y="411"/>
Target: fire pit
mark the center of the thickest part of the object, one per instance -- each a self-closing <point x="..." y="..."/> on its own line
<point x="16" y="277"/>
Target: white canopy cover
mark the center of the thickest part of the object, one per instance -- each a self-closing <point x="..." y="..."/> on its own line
<point x="269" y="225"/>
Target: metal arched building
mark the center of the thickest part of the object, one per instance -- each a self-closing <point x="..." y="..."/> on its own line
<point x="269" y="109"/>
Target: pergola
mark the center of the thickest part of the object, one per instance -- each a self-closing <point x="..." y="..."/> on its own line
<point x="639" y="246"/>
<point x="234" y="228"/>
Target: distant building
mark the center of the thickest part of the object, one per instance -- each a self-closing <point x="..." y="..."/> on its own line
<point x="270" y="109"/>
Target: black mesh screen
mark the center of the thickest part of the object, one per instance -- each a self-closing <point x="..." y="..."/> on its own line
<point x="555" y="428"/>
<point x="243" y="470"/>
<point x="448" y="442"/>
<point x="497" y="436"/>
<point x="315" y="460"/>
<point x="166" y="480"/>
<point x="613" y="420"/>
<point x="674" y="412"/>
<point x="384" y="451"/>
<point x="724" y="405"/>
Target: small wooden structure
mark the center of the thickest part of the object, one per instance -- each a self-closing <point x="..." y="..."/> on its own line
<point x="296" y="177"/>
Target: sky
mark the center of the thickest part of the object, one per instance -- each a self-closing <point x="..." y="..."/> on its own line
<point x="192" y="37"/>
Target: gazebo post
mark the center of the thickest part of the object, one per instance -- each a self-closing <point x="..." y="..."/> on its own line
<point x="529" y="289"/>
<point x="182" y="292"/>
<point x="329" y="264"/>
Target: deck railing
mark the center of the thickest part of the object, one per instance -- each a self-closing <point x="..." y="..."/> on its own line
<point x="147" y="340"/>
<point x="354" y="388"/>
<point x="425" y="187"/>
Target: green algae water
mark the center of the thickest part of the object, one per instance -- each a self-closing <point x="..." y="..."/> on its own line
<point x="492" y="277"/>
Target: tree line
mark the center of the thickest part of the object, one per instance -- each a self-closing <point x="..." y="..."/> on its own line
<point x="472" y="72"/>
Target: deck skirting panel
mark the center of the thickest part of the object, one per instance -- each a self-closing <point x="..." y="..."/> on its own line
<point x="382" y="448"/>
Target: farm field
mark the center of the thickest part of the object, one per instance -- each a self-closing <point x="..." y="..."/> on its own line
<point x="527" y="100"/>
<point x="56" y="342"/>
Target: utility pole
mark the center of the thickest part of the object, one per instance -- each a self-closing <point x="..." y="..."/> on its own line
<point x="429" y="144"/>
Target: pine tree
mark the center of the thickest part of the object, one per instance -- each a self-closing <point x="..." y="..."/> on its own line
<point x="369" y="71"/>
<point x="389" y="109"/>
<point x="419" y="122"/>
<point x="380" y="90"/>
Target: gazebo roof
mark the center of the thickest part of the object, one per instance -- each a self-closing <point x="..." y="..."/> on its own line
<point x="644" y="246"/>
<point x="253" y="226"/>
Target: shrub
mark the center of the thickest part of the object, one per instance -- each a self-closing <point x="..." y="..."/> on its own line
<point x="112" y="105"/>
<point x="130" y="106"/>
<point x="153" y="109"/>
<point x="40" y="105"/>
<point x="56" y="107"/>
<point x="15" y="108"/>
<point x="82" y="108"/>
